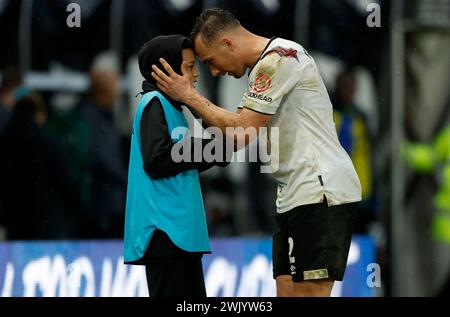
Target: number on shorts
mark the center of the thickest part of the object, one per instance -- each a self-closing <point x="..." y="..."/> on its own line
<point x="291" y="247"/>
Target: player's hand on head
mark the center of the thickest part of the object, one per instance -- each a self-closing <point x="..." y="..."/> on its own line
<point x="175" y="86"/>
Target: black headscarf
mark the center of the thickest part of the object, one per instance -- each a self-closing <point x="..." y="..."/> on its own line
<point x="170" y="48"/>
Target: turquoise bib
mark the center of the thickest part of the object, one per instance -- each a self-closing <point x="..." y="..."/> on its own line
<point x="173" y="205"/>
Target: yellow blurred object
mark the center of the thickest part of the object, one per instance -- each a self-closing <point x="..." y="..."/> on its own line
<point x="419" y="156"/>
<point x="441" y="227"/>
<point x="360" y="153"/>
<point x="430" y="158"/>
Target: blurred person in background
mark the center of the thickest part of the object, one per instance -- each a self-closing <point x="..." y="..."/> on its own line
<point x="67" y="126"/>
<point x="318" y="184"/>
<point x="34" y="178"/>
<point x="435" y="158"/>
<point x="165" y="225"/>
<point x="9" y="91"/>
<point x="262" y="193"/>
<point x="351" y="125"/>
<point x="10" y="81"/>
<point x="104" y="219"/>
<point x="219" y="207"/>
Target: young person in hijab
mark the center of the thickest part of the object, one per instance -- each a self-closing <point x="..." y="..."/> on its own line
<point x="165" y="225"/>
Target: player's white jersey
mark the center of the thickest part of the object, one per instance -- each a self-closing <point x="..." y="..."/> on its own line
<point x="308" y="160"/>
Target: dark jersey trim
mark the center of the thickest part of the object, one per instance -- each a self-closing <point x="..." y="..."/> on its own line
<point x="260" y="56"/>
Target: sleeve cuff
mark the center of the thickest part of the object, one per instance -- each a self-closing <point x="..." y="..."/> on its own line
<point x="262" y="109"/>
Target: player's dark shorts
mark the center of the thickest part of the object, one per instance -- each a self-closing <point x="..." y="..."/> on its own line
<point x="312" y="242"/>
<point x="171" y="271"/>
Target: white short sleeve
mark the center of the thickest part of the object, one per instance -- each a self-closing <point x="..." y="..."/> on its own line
<point x="272" y="78"/>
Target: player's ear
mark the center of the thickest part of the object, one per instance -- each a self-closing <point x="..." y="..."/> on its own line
<point x="227" y="42"/>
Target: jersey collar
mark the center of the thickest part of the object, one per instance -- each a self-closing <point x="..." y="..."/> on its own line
<point x="262" y="53"/>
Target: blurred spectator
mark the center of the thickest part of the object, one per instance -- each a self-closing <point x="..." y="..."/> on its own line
<point x="67" y="126"/>
<point x="105" y="219"/>
<point x="262" y="193"/>
<point x="218" y="197"/>
<point x="11" y="81"/>
<point x="428" y="158"/>
<point x="34" y="179"/>
<point x="435" y="158"/>
<point x="351" y="125"/>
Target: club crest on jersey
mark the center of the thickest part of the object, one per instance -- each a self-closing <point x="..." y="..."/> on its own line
<point x="281" y="51"/>
<point x="262" y="83"/>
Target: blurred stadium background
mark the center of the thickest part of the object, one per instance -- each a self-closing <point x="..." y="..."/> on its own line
<point x="63" y="171"/>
